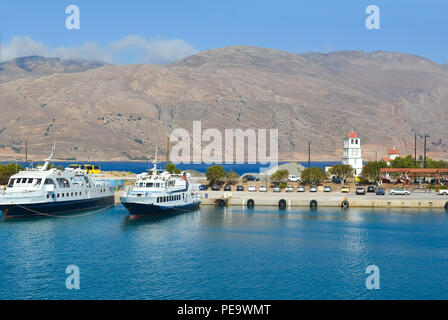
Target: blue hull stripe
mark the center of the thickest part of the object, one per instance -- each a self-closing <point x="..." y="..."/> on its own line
<point x="56" y="207"/>
<point x="150" y="209"/>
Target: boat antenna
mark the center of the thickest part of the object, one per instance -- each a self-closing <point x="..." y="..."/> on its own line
<point x="47" y="161"/>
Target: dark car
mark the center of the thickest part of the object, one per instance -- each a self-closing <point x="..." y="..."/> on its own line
<point x="227" y="187"/>
<point x="216" y="187"/>
<point x="370" y="189"/>
<point x="250" y="177"/>
<point x="380" y="192"/>
<point x="203" y="187"/>
<point x="240" y="188"/>
<point x="336" y="180"/>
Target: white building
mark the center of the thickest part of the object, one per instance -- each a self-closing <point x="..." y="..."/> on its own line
<point x="352" y="152"/>
<point x="393" y="154"/>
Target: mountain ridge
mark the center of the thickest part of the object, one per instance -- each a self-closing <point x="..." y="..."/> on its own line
<point x="318" y="97"/>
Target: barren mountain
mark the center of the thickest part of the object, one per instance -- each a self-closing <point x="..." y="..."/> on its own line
<point x="123" y="112"/>
<point x="36" y="66"/>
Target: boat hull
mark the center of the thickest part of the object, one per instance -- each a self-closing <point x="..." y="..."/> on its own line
<point x="10" y="211"/>
<point x="137" y="210"/>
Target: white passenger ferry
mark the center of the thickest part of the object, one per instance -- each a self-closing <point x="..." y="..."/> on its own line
<point x="162" y="193"/>
<point x="48" y="192"/>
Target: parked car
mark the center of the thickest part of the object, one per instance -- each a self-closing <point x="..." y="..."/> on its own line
<point x="263" y="189"/>
<point x="313" y="189"/>
<point x="300" y="189"/>
<point x="293" y="178"/>
<point x="227" y="187"/>
<point x="360" y="191"/>
<point x="252" y="188"/>
<point x="203" y="187"/>
<point x="380" y="192"/>
<point x="335" y="179"/>
<point x="276" y="189"/>
<point x="239" y="188"/>
<point x="289" y="189"/>
<point x="443" y="192"/>
<point x="370" y="189"/>
<point x="399" y="191"/>
<point x="327" y="189"/>
<point x="216" y="187"/>
<point x="345" y="189"/>
<point x="250" y="177"/>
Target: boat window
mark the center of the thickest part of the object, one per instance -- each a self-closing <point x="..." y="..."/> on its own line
<point x="58" y="195"/>
<point x="48" y="196"/>
<point x="140" y="184"/>
<point x="52" y="195"/>
<point x="63" y="183"/>
<point x="149" y="185"/>
<point x="38" y="181"/>
<point x="10" y="183"/>
<point x="49" y="181"/>
<point x="157" y="185"/>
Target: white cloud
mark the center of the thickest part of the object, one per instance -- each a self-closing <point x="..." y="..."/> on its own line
<point x="131" y="49"/>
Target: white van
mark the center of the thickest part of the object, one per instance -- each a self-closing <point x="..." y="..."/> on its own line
<point x="293" y="178"/>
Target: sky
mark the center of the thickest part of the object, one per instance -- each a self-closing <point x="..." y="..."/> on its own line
<point x="160" y="32"/>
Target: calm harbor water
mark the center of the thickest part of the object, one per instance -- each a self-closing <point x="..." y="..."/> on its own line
<point x="229" y="253"/>
<point x="142" y="166"/>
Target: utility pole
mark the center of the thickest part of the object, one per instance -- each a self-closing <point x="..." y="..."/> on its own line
<point x="168" y="151"/>
<point x="376" y="168"/>
<point x="26" y="154"/>
<point x="415" y="148"/>
<point x="424" y="152"/>
<point x="309" y="154"/>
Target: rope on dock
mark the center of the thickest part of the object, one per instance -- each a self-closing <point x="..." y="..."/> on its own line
<point x="58" y="216"/>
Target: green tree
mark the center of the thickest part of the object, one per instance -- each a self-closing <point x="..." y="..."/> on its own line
<point x="279" y="176"/>
<point x="232" y="177"/>
<point x="6" y="171"/>
<point x="313" y="175"/>
<point x="436" y="164"/>
<point x="342" y="171"/>
<point x="215" y="175"/>
<point x="371" y="170"/>
<point x="171" y="168"/>
<point x="403" y="162"/>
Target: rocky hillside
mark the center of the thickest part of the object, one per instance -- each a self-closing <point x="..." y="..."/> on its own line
<point x="36" y="66"/>
<point x="123" y="112"/>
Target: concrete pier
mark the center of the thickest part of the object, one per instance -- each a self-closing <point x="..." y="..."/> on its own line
<point x="332" y="199"/>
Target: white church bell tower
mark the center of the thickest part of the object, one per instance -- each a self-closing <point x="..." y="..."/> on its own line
<point x="352" y="152"/>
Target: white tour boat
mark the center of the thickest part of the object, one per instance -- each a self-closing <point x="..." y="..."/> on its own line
<point x="48" y="192"/>
<point x="156" y="193"/>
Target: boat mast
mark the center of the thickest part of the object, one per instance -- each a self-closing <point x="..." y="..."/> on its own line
<point x="154" y="162"/>
<point x="47" y="161"/>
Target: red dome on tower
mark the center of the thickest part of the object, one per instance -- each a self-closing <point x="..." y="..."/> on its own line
<point x="352" y="134"/>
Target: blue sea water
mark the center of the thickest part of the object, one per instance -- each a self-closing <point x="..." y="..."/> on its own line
<point x="142" y="166"/>
<point x="228" y="253"/>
